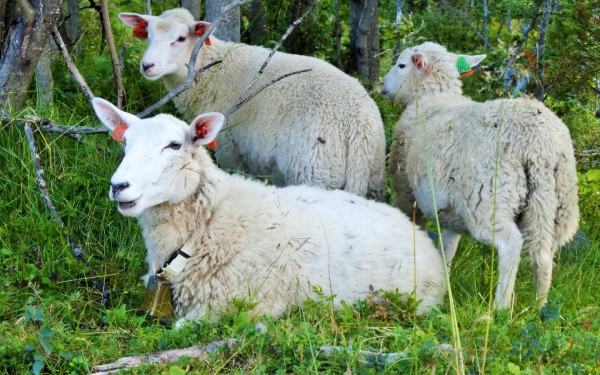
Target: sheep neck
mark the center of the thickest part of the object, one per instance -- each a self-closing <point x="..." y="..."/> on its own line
<point x="169" y="226"/>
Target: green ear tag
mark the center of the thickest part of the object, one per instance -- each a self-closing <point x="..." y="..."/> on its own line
<point x="462" y="65"/>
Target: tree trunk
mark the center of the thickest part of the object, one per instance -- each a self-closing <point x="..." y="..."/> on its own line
<point x="337" y="34"/>
<point x="486" y="28"/>
<point x="229" y="29"/>
<point x="257" y="16"/>
<point x="43" y="78"/>
<point x="26" y="35"/>
<point x="364" y="39"/>
<point x="540" y="90"/>
<point x="398" y="24"/>
<point x="73" y="25"/>
<point x="194" y="6"/>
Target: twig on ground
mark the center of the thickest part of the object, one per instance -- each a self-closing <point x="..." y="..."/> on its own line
<point x="77" y="251"/>
<point x="200" y="351"/>
<point x="87" y="92"/>
<point x="368" y="356"/>
<point x="105" y="17"/>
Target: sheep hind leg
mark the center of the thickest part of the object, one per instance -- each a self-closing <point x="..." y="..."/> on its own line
<point x="509" y="242"/>
<point x="542" y="275"/>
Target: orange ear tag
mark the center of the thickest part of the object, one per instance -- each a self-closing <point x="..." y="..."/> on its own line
<point x="141" y="30"/>
<point x="117" y="133"/>
<point x="200" y="31"/>
<point x="202" y="132"/>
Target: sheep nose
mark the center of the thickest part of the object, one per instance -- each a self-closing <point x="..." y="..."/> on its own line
<point x="146" y="67"/>
<point x="117" y="188"/>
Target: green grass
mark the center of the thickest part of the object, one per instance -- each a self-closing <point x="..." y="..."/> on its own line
<point x="52" y="316"/>
<point x="52" y="320"/>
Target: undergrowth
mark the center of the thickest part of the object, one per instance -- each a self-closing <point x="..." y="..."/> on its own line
<point x="52" y="321"/>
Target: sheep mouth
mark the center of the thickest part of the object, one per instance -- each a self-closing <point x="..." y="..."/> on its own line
<point x="128" y="205"/>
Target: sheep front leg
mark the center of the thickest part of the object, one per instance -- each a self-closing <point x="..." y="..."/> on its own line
<point x="450" y="240"/>
<point x="509" y="242"/>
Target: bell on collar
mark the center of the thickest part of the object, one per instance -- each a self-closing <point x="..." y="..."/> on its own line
<point x="158" y="300"/>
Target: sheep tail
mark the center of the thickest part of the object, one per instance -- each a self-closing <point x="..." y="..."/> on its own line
<point x="551" y="216"/>
<point x="567" y="213"/>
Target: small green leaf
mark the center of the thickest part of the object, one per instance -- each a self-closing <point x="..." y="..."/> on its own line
<point x="176" y="370"/>
<point x="44" y="336"/>
<point x="513" y="369"/>
<point x="38" y="365"/>
<point x="593" y="175"/>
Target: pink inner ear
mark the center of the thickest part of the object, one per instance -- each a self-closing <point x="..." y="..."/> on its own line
<point x="421" y="63"/>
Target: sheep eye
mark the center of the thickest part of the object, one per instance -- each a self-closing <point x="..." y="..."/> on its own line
<point x="401" y="66"/>
<point x="181" y="39"/>
<point x="174" y="145"/>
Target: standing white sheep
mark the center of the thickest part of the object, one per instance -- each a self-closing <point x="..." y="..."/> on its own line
<point x="318" y="128"/>
<point x="501" y="170"/>
<point x="260" y="243"/>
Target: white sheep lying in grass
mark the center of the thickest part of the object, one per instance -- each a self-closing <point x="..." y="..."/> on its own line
<point x="318" y="128"/>
<point x="260" y="243"/>
<point x="501" y="170"/>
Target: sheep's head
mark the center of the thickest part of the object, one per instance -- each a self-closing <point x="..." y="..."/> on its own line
<point x="162" y="160"/>
<point x="425" y="69"/>
<point x="171" y="38"/>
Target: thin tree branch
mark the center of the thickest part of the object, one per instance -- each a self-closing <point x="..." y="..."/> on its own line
<point x="39" y="173"/>
<point x="243" y="101"/>
<point x="72" y="68"/>
<point x="77" y="251"/>
<point x="524" y="33"/>
<point x="113" y="53"/>
<point x="273" y="50"/>
<point x="199" y="351"/>
<point x="176" y="91"/>
<point x="26" y="10"/>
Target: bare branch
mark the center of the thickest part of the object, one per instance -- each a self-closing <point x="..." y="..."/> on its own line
<point x="178" y="90"/>
<point x="72" y="68"/>
<point x="26" y="10"/>
<point x="199" y="351"/>
<point x="243" y="101"/>
<point x="77" y="251"/>
<point x="273" y="50"/>
<point x="113" y="53"/>
<point x="39" y="173"/>
<point x="524" y="33"/>
<point x="237" y="3"/>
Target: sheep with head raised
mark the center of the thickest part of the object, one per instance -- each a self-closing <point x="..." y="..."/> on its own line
<point x="501" y="170"/>
<point x="260" y="243"/>
<point x="318" y="128"/>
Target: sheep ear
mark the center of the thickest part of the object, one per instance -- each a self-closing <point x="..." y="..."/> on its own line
<point x="421" y="62"/>
<point x="199" y="28"/>
<point x="138" y="22"/>
<point x="111" y="116"/>
<point x="204" y="128"/>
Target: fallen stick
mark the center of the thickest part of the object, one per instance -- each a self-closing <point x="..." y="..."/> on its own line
<point x="199" y="351"/>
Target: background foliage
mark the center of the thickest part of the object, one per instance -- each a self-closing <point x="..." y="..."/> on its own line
<point x="50" y="316"/>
